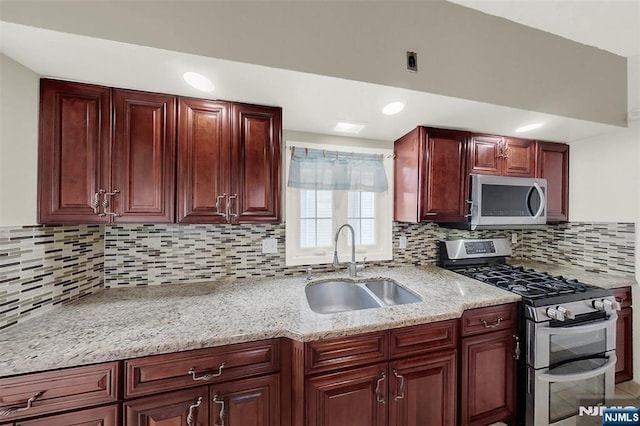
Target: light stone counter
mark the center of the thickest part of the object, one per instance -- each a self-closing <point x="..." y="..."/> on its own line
<point x="573" y="272"/>
<point x="118" y="324"/>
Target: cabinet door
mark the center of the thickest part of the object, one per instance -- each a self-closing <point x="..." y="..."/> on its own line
<point x="255" y="164"/>
<point x="73" y="157"/>
<point x="485" y="155"/>
<point x="519" y="157"/>
<point x="444" y="181"/>
<point x="101" y="416"/>
<point x="249" y="402"/>
<point x="169" y="409"/>
<point x="204" y="141"/>
<point x="355" y="397"/>
<point x="624" y="346"/>
<point x="488" y="378"/>
<point x="422" y="390"/>
<point x="143" y="168"/>
<point x="553" y="165"/>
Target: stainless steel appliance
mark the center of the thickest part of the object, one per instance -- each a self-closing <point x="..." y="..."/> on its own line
<point x="507" y="202"/>
<point x="567" y="330"/>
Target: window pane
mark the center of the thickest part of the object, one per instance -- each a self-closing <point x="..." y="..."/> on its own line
<point x="356" y="227"/>
<point x="307" y="203"/>
<point x="324" y="203"/>
<point x="367" y="204"/>
<point x="367" y="231"/>
<point x="354" y="204"/>
<point x="307" y="232"/>
<point x="324" y="236"/>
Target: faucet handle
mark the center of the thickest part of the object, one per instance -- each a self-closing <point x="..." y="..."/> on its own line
<point x="361" y="267"/>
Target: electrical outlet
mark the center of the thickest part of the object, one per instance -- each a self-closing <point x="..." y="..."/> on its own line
<point x="514" y="238"/>
<point x="269" y="245"/>
<point x="402" y="243"/>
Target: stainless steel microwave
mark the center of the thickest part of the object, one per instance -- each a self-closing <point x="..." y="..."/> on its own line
<point x="502" y="202"/>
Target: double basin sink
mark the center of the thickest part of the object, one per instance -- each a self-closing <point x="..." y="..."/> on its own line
<point x="341" y="295"/>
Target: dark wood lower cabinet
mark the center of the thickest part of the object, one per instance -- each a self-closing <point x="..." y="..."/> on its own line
<point x="100" y="416"/>
<point x="169" y="409"/>
<point x="487" y="391"/>
<point x="422" y="390"/>
<point x="355" y="397"/>
<point x="624" y="343"/>
<point x="248" y="402"/>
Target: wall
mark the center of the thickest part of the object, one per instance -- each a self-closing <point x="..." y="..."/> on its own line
<point x="18" y="143"/>
<point x="462" y="52"/>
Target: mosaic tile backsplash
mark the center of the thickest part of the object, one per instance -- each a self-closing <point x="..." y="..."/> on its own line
<point x="43" y="266"/>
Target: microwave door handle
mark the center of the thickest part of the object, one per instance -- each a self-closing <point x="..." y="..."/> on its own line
<point x="543" y="200"/>
<point x="575" y="377"/>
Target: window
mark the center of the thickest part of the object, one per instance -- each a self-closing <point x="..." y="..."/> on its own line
<point x="313" y="216"/>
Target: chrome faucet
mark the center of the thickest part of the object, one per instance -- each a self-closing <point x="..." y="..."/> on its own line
<point x="353" y="266"/>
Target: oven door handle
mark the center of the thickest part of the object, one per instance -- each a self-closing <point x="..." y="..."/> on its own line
<point x="575" y="377"/>
<point x="581" y="328"/>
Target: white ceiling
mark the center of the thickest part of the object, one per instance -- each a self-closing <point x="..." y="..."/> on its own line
<point x="311" y="103"/>
<point x="612" y="25"/>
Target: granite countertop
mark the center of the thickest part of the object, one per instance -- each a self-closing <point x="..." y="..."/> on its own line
<point x="117" y="324"/>
<point x="599" y="279"/>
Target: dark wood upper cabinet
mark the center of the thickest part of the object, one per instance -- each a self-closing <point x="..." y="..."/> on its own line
<point x="502" y="156"/>
<point x="228" y="162"/>
<point x="255" y="164"/>
<point x="143" y="168"/>
<point x="203" y="160"/>
<point x="430" y="176"/>
<point x="553" y="165"/>
<point x="110" y="155"/>
<point x="74" y="162"/>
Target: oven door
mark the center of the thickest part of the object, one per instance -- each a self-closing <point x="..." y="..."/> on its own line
<point x="550" y="346"/>
<point x="554" y="395"/>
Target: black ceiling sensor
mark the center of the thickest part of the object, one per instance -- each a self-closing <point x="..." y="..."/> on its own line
<point x="412" y="61"/>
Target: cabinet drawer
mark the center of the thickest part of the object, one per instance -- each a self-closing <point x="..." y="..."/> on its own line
<point x="423" y="338"/>
<point x="101" y="416"/>
<point x="493" y="318"/>
<point x="60" y="390"/>
<point x="333" y="354"/>
<point x="173" y="371"/>
<point x="623" y="296"/>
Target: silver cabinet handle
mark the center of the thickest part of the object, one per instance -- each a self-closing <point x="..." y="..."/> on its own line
<point x="12" y="410"/>
<point x="379" y="396"/>
<point x="430" y="214"/>
<point x="95" y="203"/>
<point x="191" y="408"/>
<point x="206" y="376"/>
<point x="400" y="394"/>
<point x="221" y="415"/>
<point x="494" y="325"/>
<point x="218" y="202"/>
<point x="106" y="203"/>
<point x="516" y="352"/>
<point x="230" y="212"/>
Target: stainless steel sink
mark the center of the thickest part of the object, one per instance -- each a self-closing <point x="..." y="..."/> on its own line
<point x="343" y="295"/>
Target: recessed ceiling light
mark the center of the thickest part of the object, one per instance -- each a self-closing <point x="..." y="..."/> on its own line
<point x="349" y="127"/>
<point x="393" y="108"/>
<point x="199" y="81"/>
<point x="528" y="127"/>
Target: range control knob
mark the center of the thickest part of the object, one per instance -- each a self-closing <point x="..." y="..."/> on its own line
<point x="611" y="305"/>
<point x="565" y="312"/>
<point x="555" y="314"/>
<point x="605" y="305"/>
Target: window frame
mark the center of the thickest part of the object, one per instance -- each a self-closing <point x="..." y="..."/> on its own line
<point x="382" y="250"/>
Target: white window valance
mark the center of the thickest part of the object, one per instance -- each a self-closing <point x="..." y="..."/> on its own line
<point x="334" y="170"/>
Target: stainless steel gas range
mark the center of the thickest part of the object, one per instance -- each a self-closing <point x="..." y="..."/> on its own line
<point x="567" y="329"/>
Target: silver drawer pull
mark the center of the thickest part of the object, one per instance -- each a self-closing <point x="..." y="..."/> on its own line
<point x="494" y="325"/>
<point x="379" y="396"/>
<point x="221" y="415"/>
<point x="206" y="376"/>
<point x="191" y="408"/>
<point x="13" y="410"/>
<point x="400" y="394"/>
